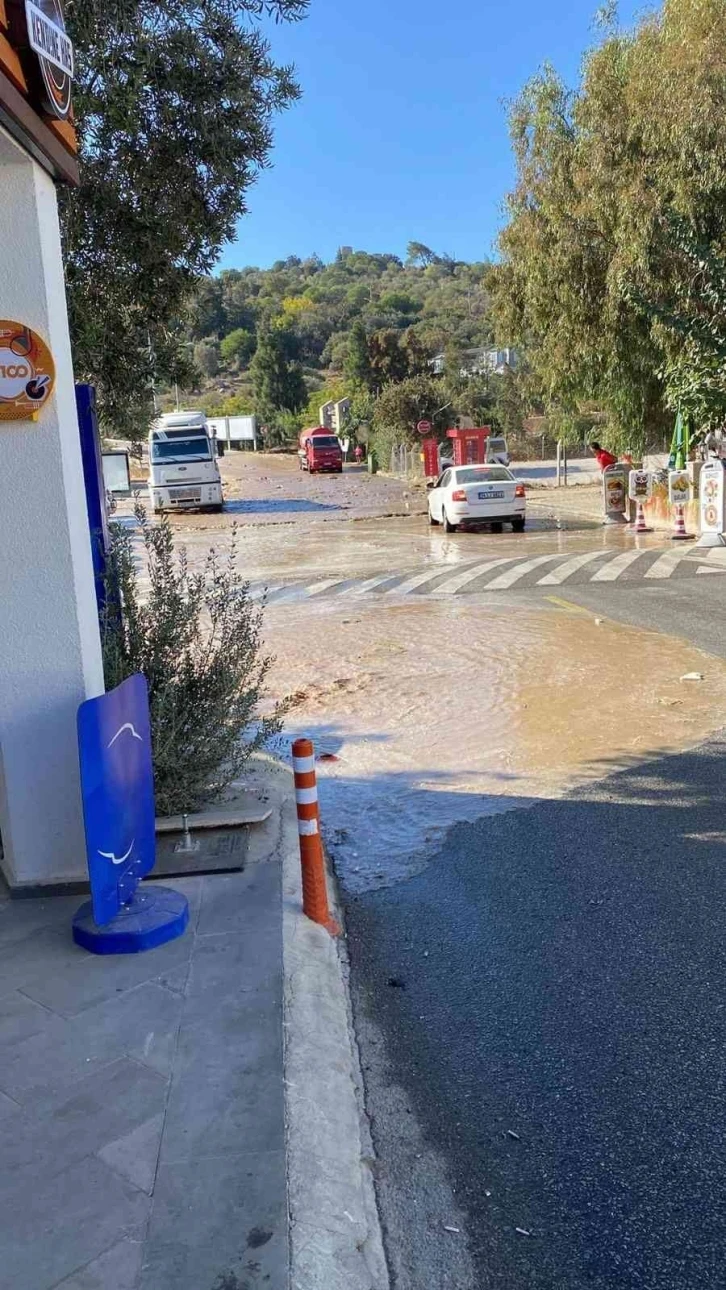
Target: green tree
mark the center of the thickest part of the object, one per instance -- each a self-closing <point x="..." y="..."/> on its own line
<point x="278" y="382"/>
<point x="206" y="356"/>
<point x="238" y="346"/>
<point x="358" y="363"/>
<point x="174" y="103"/>
<point x="402" y="404"/>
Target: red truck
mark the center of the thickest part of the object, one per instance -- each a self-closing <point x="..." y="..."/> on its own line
<point x="320" y="450"/>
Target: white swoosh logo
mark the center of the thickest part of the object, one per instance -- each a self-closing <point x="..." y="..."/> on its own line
<point x="109" y="855"/>
<point x="126" y="726"/>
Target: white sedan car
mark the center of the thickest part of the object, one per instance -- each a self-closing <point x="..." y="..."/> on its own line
<point x="477" y="495"/>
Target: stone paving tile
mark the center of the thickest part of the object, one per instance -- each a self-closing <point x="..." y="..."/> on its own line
<point x="136" y="1154"/>
<point x="21" y="1018"/>
<point x="239" y="902"/>
<point x="116" y="1269"/>
<point x="236" y="1236"/>
<point x="51" y="1226"/>
<point x="101" y="1108"/>
<point x="79" y="980"/>
<point x="21" y="918"/>
<point x="141" y="1023"/>
<point x="227" y="965"/>
<point x="227" y="1092"/>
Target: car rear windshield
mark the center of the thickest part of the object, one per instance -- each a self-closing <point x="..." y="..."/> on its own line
<point x="482" y="475"/>
<point x="324" y="441"/>
<point x="172" y="449"/>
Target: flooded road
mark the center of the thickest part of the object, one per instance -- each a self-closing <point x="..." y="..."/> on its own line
<point x="526" y="824"/>
<point x="435" y="681"/>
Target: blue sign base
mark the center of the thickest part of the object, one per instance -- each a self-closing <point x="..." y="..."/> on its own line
<point x="154" y="916"/>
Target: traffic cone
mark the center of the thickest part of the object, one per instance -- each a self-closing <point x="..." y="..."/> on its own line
<point x="640" y="525"/>
<point x="315" y="893"/>
<point x="679" y="533"/>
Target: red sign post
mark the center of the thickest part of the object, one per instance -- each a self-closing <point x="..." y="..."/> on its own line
<point x="431" y="458"/>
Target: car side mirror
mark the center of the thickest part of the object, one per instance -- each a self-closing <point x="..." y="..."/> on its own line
<point x="430" y="483"/>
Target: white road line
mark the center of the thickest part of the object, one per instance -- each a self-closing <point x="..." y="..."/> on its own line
<point x="418" y="580"/>
<point x="463" y="579"/>
<point x="570" y="566"/>
<point x="665" y="564"/>
<point x="316" y="587"/>
<point x="509" y="578"/>
<point x="369" y="585"/>
<point x="705" y="568"/>
<point x="717" y="555"/>
<point x="614" y="568"/>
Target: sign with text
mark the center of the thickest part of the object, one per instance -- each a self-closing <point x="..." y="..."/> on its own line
<point x="47" y="37"/>
<point x="679" y="487"/>
<point x="640" y="485"/>
<point x="117" y="785"/>
<point x="424" y="427"/>
<point x="27" y="372"/>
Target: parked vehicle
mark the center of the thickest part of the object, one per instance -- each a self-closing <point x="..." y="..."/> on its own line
<point x="320" y="451"/>
<point x="183" y="467"/>
<point x="477" y="495"/>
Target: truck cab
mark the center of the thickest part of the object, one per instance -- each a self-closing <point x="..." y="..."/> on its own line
<point x="183" y="468"/>
<point x="320" y="450"/>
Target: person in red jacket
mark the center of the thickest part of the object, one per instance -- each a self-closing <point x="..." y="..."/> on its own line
<point x="604" y="458"/>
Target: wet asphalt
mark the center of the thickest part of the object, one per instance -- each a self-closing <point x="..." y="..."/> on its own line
<point x="547" y="1003"/>
<point x="547" y="1000"/>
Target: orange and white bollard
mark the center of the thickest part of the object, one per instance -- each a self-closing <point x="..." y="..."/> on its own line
<point x="679" y="533"/>
<point x="315" y="892"/>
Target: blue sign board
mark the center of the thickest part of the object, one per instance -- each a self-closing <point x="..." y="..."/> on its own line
<point x="117" y="783"/>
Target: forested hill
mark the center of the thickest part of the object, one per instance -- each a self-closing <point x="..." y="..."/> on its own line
<point x="314" y="310"/>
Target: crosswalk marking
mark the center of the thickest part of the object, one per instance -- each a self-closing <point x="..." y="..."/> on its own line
<point x="418" y="580"/>
<point x="570" y="566"/>
<point x="665" y="564"/>
<point x="452" y="585"/>
<point x="614" y="568"/>
<point x="369" y="585"/>
<point x="482" y="576"/>
<point x="509" y="578"/>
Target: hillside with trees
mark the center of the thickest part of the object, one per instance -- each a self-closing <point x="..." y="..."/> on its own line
<point x="281" y="341"/>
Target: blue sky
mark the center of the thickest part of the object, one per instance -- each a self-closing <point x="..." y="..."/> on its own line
<point x="401" y="131"/>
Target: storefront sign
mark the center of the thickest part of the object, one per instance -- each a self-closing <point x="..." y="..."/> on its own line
<point x="640" y="487"/>
<point x="47" y="37"/>
<point x="27" y="372"/>
<point x="679" y="487"/>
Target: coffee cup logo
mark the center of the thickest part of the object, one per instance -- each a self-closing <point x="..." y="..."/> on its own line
<point x="27" y="372"/>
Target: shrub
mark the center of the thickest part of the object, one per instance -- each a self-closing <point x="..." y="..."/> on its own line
<point x="196" y="639"/>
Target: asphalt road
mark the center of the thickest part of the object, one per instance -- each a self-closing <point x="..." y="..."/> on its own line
<point x="542" y="1023"/>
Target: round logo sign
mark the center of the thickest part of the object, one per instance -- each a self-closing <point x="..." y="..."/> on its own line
<point x="424" y="427"/>
<point x="47" y="36"/>
<point x="27" y="372"/>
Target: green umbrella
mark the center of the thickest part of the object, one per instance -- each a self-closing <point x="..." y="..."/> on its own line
<point x="680" y="443"/>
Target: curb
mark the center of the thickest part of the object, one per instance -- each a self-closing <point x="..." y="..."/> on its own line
<point x="335" y="1233"/>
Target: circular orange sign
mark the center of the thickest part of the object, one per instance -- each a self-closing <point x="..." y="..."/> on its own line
<point x="27" y="372"/>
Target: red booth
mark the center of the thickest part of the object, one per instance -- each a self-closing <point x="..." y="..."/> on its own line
<point x="470" y="446"/>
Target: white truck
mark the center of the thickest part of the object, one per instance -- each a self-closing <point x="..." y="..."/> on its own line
<point x="183" y="466"/>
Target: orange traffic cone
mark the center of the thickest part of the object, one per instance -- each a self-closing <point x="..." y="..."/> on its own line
<point x="679" y="533"/>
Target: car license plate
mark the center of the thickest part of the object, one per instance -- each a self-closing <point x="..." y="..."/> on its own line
<point x="186" y="495"/>
<point x="488" y="497"/>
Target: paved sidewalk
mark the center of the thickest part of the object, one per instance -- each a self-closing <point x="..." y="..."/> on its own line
<point x="142" y="1131"/>
<point x="189" y="1118"/>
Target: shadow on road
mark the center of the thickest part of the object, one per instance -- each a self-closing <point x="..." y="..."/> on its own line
<point x="558" y="1025"/>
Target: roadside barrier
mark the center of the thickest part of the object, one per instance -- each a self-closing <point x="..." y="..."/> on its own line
<point x="640" y="525"/>
<point x="315" y="893"/>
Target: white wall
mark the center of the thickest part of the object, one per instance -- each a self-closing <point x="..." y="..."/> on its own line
<point x="50" y="657"/>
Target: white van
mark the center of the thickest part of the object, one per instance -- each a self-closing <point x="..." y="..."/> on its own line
<point x="183" y="467"/>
